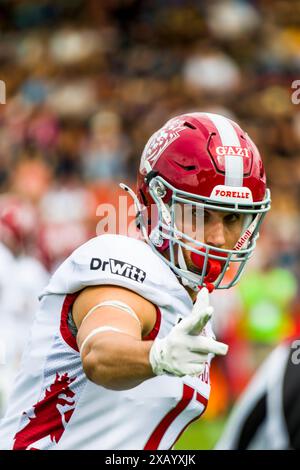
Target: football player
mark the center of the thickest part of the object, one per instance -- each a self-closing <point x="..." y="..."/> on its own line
<point x="120" y="349"/>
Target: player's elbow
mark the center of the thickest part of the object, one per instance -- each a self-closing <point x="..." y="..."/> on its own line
<point x="95" y="370"/>
<point x="100" y="373"/>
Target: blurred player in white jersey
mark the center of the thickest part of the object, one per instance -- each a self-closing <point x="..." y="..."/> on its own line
<point x="6" y="267"/>
<point x="22" y="277"/>
<point x="120" y="350"/>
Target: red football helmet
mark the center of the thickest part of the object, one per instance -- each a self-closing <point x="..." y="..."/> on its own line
<point x="18" y="223"/>
<point x="203" y="161"/>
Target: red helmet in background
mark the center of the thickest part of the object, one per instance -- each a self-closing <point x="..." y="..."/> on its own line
<point x="206" y="161"/>
<point x="18" y="223"/>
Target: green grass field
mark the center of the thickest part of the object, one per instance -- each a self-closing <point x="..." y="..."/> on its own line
<point x="203" y="434"/>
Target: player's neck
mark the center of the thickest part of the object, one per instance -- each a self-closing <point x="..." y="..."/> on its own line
<point x="192" y="293"/>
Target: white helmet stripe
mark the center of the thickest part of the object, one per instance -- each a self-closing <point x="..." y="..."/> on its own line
<point x="234" y="165"/>
<point x="227" y="132"/>
<point x="234" y="170"/>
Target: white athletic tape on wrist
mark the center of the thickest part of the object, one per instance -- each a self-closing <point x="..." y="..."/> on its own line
<point x="94" y="332"/>
<point x="116" y="304"/>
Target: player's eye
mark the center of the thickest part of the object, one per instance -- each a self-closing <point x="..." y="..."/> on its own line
<point x="232" y="218"/>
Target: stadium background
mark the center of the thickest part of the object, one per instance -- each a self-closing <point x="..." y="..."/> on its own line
<point x="87" y="82"/>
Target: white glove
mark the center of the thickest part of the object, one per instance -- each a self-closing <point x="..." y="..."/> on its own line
<point x="183" y="351"/>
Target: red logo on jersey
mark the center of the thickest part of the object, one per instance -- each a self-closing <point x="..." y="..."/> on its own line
<point x="48" y="420"/>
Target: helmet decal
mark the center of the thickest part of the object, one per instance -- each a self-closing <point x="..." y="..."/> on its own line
<point x="231" y="194"/>
<point x="159" y="141"/>
<point x="230" y="150"/>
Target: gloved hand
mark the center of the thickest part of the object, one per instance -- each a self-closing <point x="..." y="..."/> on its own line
<point x="184" y="351"/>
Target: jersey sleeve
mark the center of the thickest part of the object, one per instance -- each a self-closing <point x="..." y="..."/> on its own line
<point x="115" y="260"/>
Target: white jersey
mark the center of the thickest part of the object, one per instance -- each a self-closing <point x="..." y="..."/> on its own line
<point x="7" y="264"/>
<point x="24" y="278"/>
<point x="55" y="406"/>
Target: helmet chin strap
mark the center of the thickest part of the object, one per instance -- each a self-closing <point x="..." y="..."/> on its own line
<point x="183" y="267"/>
<point x="162" y="242"/>
<point x="138" y="208"/>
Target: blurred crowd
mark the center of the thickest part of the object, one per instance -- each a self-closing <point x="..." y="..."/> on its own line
<point x="88" y="82"/>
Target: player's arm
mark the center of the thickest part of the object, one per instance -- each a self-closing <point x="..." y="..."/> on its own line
<point x="110" y="338"/>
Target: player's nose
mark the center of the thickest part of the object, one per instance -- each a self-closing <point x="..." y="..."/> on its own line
<point x="215" y="235"/>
